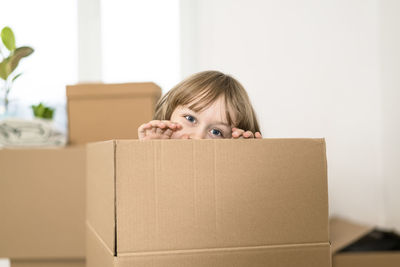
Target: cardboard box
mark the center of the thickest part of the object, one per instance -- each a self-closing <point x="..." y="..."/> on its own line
<point x="344" y="233"/>
<point x="42" y="196"/>
<point x="98" y="112"/>
<point x="48" y="263"/>
<point x="207" y="203"/>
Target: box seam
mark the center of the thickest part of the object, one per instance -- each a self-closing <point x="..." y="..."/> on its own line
<point x="323" y="143"/>
<point x="115" y="197"/>
<point x="225" y="249"/>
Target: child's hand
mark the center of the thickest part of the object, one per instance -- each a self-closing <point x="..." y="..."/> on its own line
<point x="157" y="130"/>
<point x="239" y="133"/>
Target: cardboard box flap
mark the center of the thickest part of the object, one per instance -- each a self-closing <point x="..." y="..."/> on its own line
<point x="344" y="232"/>
<point x="100" y="190"/>
<point x="112" y="90"/>
<point x="302" y="256"/>
<point x="194" y="194"/>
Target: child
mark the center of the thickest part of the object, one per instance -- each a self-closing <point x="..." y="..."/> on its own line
<point x="206" y="105"/>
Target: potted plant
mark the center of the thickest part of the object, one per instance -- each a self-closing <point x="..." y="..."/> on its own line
<point x="10" y="57"/>
<point x="43" y="112"/>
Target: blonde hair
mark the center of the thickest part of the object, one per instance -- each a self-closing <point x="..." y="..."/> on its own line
<point x="201" y="90"/>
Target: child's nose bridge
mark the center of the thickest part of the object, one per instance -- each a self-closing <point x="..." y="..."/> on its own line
<point x="198" y="133"/>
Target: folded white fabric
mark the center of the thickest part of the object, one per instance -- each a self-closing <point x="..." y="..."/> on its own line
<point x="23" y="133"/>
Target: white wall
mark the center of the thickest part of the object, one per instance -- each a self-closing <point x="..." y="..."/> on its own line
<point x="312" y="69"/>
<point x="390" y="63"/>
<point x="140" y="41"/>
<point x="89" y="41"/>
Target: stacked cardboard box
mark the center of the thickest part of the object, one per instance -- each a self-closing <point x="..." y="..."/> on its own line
<point x="344" y="233"/>
<point x="207" y="203"/>
<point x="42" y="196"/>
<point x="42" y="191"/>
<point x="100" y="112"/>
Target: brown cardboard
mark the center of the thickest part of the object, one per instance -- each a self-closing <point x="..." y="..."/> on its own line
<point x="373" y="259"/>
<point x="42" y="196"/>
<point x="207" y="203"/>
<point x="344" y="232"/>
<point x="48" y="263"/>
<point x="99" y="112"/>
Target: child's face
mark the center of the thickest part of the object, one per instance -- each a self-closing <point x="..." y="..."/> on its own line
<point x="209" y="123"/>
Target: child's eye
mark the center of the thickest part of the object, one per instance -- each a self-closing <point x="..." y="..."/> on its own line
<point x="216" y="132"/>
<point x="190" y="118"/>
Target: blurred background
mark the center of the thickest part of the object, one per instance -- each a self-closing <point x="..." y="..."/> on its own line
<point x="312" y="68"/>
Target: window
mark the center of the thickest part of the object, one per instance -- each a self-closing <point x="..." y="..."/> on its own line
<point x="140" y="41"/>
<point x="50" y="28"/>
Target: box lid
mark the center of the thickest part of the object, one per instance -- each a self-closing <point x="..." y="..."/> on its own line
<point x="344" y="232"/>
<point x="90" y="90"/>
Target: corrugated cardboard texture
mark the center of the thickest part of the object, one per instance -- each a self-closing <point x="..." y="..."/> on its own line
<point x="225" y="193"/>
<point x="48" y="263"/>
<point x="42" y="196"/>
<point x="98" y="112"/>
<point x="249" y="198"/>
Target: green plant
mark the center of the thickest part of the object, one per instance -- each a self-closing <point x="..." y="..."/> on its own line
<point x="10" y="61"/>
<point x="41" y="111"/>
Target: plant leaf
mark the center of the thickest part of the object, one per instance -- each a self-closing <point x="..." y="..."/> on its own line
<point x="41" y="111"/>
<point x="16" y="77"/>
<point x="19" y="53"/>
<point x="8" y="38"/>
<point x="5" y="69"/>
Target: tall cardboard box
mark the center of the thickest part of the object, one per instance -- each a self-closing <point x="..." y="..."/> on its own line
<point x="207" y="203"/>
<point x="98" y="112"/>
<point x="42" y="211"/>
<point x="344" y="233"/>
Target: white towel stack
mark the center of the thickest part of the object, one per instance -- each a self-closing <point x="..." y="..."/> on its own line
<point x="29" y="133"/>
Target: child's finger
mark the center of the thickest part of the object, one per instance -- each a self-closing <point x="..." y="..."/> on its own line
<point x="157" y="123"/>
<point x="159" y="131"/>
<point x="258" y="135"/>
<point x="174" y="125"/>
<point x="142" y="130"/>
<point x="167" y="134"/>
<point x="237" y="133"/>
<point x="169" y="124"/>
<point x="248" y="134"/>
